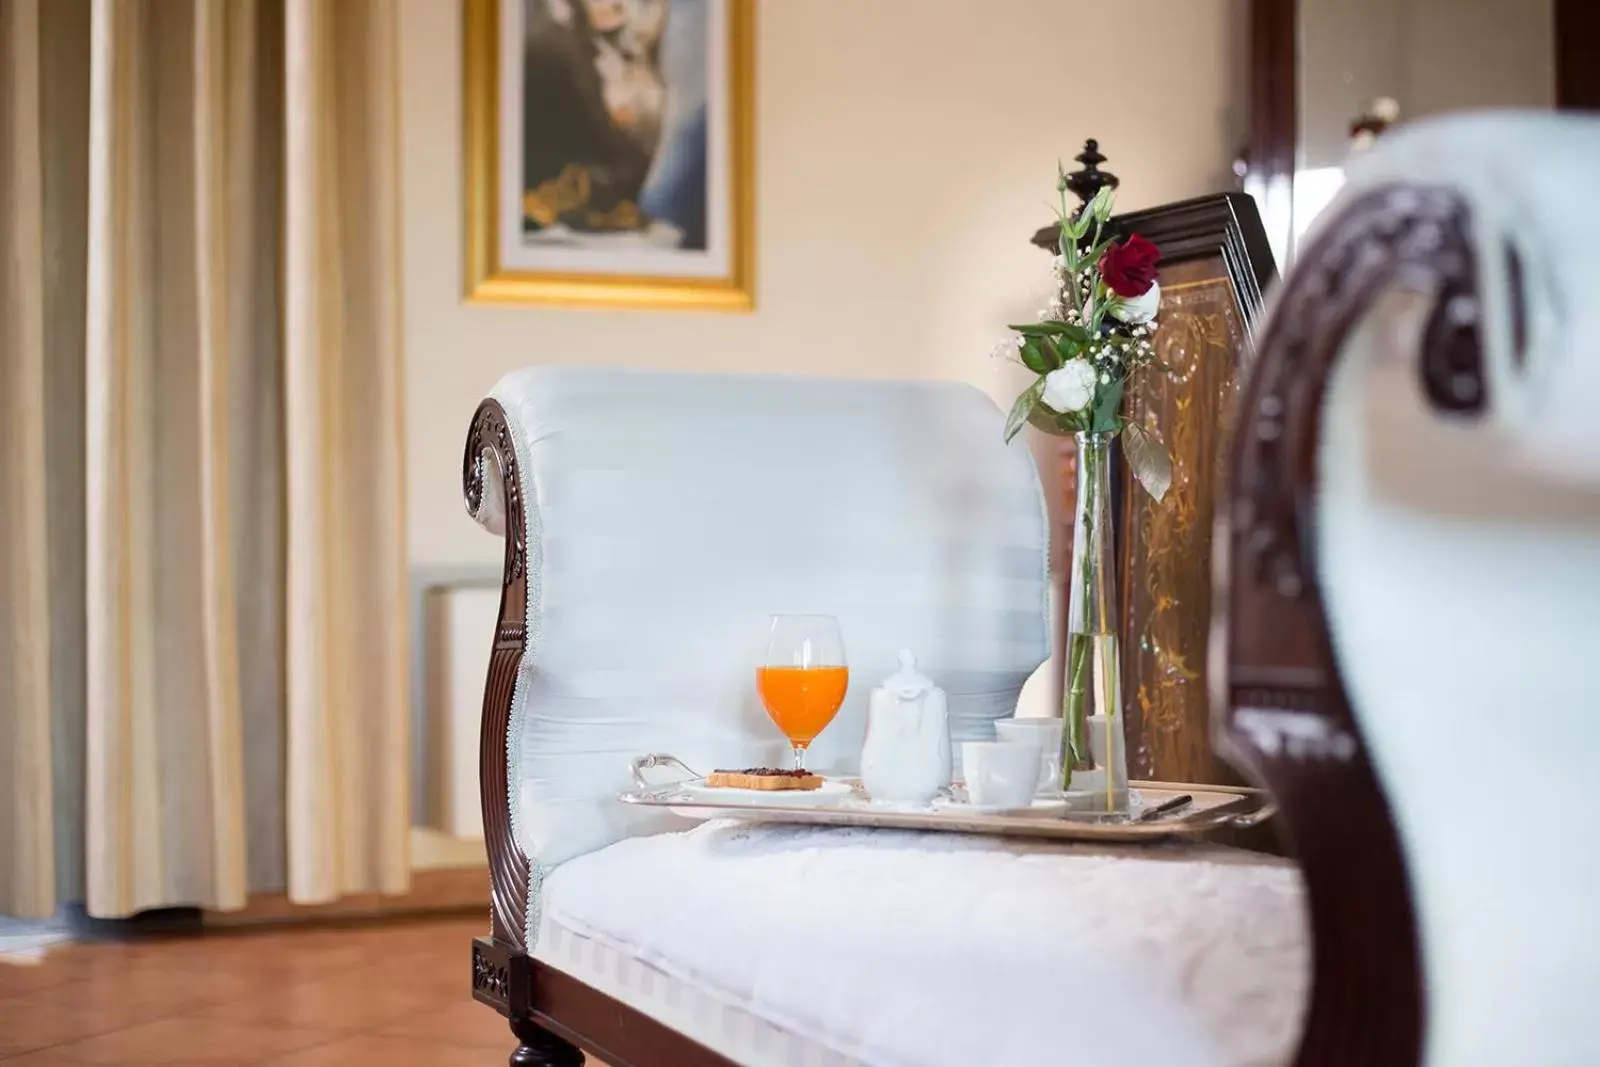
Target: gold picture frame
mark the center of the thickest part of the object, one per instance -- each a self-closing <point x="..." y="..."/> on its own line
<point x="490" y="279"/>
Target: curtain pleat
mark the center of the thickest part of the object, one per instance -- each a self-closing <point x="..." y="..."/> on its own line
<point x="64" y="107"/>
<point x="165" y="798"/>
<point x="27" y="855"/>
<point x="202" y="592"/>
<point x="348" y="820"/>
<point x="220" y="76"/>
<point x="255" y="437"/>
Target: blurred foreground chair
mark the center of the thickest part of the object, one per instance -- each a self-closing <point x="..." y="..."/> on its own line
<point x="1413" y="573"/>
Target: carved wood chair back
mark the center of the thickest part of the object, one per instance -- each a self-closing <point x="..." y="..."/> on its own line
<point x="1408" y="582"/>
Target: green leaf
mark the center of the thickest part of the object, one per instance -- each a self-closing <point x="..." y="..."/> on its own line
<point x="1100" y="206"/>
<point x="1076" y="334"/>
<point x="1023" y="408"/>
<point x="1099" y="317"/>
<point x="1148" y="459"/>
<point x="1033" y="357"/>
<point x="1053" y="422"/>
<point x="1107" y="405"/>
<point x="1093" y="255"/>
<point x="1080" y="225"/>
<point x="1050" y="328"/>
<point x="1049" y="357"/>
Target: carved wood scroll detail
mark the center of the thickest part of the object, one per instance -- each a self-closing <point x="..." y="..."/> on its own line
<point x="1286" y="717"/>
<point x="1410" y="236"/>
<point x="489" y="441"/>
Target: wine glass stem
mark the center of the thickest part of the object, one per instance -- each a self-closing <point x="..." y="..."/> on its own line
<point x="799" y="757"/>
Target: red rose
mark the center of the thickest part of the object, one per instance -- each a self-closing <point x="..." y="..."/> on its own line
<point x="1129" y="267"/>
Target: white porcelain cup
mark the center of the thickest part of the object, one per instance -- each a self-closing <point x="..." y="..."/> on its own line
<point x="1000" y="774"/>
<point x="1046" y="733"/>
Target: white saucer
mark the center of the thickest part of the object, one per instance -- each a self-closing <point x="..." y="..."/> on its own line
<point x="1039" y="806"/>
<point x="828" y="792"/>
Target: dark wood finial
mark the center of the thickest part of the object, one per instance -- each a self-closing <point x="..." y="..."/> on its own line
<point x="1088" y="181"/>
<point x="1084" y="183"/>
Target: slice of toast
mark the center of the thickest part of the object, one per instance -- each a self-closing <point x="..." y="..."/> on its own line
<point x="768" y="778"/>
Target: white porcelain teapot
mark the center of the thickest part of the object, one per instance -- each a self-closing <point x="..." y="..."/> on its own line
<point x="906" y="759"/>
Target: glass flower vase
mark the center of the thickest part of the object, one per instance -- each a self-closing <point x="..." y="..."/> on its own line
<point x="1094" y="760"/>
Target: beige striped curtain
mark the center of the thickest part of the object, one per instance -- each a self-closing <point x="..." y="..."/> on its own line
<point x="202" y="632"/>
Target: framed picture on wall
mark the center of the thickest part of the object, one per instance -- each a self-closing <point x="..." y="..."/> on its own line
<point x="610" y="153"/>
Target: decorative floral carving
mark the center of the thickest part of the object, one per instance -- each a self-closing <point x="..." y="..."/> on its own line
<point x="488" y="441"/>
<point x="1166" y="550"/>
<point x="489" y="977"/>
<point x="474" y="487"/>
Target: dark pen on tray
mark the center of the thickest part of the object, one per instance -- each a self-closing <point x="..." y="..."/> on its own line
<point x="1166" y="807"/>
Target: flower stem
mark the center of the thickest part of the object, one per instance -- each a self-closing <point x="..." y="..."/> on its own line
<point x="1092" y="327"/>
<point x="1080" y="641"/>
<point x="1069" y="252"/>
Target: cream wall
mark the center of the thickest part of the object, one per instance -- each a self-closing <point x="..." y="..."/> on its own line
<point x="1431" y="56"/>
<point x="906" y="151"/>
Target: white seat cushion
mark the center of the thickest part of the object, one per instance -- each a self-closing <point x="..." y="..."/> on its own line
<point x="791" y="945"/>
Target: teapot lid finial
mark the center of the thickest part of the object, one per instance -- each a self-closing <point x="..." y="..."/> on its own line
<point x="908" y="682"/>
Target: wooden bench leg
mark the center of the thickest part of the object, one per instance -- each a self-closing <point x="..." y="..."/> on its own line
<point x="538" y="1047"/>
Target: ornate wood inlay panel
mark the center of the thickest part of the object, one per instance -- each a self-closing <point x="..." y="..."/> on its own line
<point x="1165" y="547"/>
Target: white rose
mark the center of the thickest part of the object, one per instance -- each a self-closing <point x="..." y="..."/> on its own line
<point x="1138" y="310"/>
<point x="1070" y="387"/>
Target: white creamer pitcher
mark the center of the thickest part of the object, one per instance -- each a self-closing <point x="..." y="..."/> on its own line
<point x="906" y="759"/>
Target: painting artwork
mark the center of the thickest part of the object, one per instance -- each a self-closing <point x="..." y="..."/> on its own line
<point x="609" y="151"/>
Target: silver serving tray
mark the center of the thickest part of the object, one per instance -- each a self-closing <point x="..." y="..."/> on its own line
<point x="1212" y="807"/>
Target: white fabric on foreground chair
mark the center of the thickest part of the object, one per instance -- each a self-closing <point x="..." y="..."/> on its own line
<point x="1460" y="560"/>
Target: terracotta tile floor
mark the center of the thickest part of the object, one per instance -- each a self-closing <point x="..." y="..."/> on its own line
<point x="391" y="995"/>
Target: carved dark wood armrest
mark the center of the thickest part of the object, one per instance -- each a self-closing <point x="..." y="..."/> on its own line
<point x="1285" y="715"/>
<point x="489" y="441"/>
<point x="552" y="1014"/>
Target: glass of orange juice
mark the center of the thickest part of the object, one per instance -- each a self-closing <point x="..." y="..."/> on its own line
<point x="804" y="677"/>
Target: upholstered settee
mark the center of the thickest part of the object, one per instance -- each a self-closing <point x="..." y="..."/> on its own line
<point x="1409" y="566"/>
<point x="653" y="521"/>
